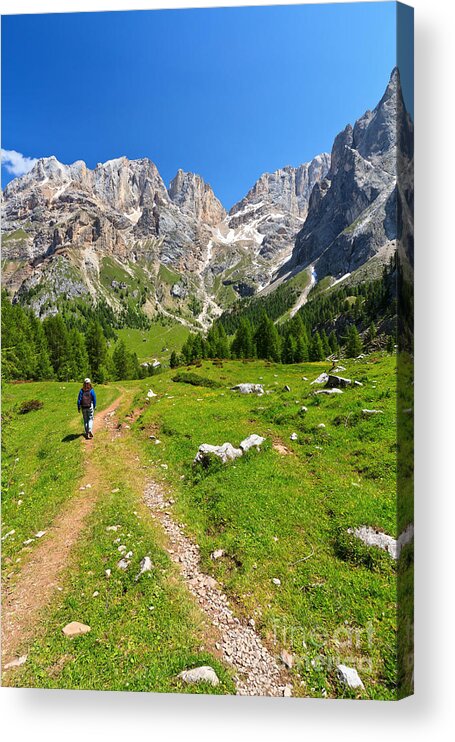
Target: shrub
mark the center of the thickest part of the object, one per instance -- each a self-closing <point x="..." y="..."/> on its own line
<point x="30" y="405"/>
<point x="195" y="380"/>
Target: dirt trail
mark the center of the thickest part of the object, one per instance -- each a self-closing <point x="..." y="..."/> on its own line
<point x="258" y="673"/>
<point x="40" y="576"/>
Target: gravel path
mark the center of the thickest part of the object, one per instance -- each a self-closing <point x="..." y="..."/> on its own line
<point x="258" y="673"/>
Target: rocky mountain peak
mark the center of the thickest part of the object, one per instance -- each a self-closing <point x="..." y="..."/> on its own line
<point x="194" y="196"/>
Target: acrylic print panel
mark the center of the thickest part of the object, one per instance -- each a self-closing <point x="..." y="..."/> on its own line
<point x="207" y="351"/>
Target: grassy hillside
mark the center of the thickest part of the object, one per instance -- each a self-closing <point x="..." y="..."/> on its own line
<point x="281" y="513"/>
<point x="157" y="342"/>
<point x="286" y="514"/>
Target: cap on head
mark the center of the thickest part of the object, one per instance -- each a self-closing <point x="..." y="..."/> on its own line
<point x="87" y="381"/>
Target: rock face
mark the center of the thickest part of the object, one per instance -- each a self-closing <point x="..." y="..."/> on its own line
<point x="196" y="198"/>
<point x="352" y="213"/>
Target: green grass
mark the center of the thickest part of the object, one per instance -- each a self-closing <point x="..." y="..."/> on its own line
<point x="158" y="342"/>
<point x="18" y="234"/>
<point x="41" y="460"/>
<point x="167" y="275"/>
<point x="144" y="632"/>
<point x="287" y="516"/>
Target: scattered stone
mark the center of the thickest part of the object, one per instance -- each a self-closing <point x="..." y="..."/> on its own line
<point x="321" y="426"/>
<point x="322" y="378"/>
<point x="7" y="535"/>
<point x="164" y="466"/>
<point x="145" y="566"/>
<point x="328" y="391"/>
<point x="358" y="383"/>
<point x="108" y="573"/>
<point x="17" y="662"/>
<point x="372" y="537"/>
<point x="249" y="389"/>
<point x="372" y="412"/>
<point x="293" y="436"/>
<point x="123" y="564"/>
<point x="75" y="628"/>
<point x="304" y="409"/>
<point x="28" y="541"/>
<point x="121" y="548"/>
<point x="204" y="674"/>
<point x="217" y="554"/>
<point x="253" y="441"/>
<point x="287" y="659"/>
<point x="287" y="691"/>
<point x="286" y="388"/>
<point x="338" y="369"/>
<point x="304" y="378"/>
<point x="113" y="528"/>
<point x="40" y="534"/>
<point x="226" y="453"/>
<point x="114" y="491"/>
<point x="252" y="622"/>
<point x="95" y="594"/>
<point x="150" y="394"/>
<point x="276" y="581"/>
<point x="349" y="676"/>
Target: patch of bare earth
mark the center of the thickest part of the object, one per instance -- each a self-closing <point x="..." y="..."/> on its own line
<point x="23" y="603"/>
<point x="257" y="671"/>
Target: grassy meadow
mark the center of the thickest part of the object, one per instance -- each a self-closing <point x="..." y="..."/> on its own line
<point x="281" y="513"/>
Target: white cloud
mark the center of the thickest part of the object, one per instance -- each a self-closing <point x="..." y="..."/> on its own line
<point x="16" y="163"/>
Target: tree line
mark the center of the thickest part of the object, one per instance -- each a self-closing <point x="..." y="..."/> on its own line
<point x="56" y="349"/>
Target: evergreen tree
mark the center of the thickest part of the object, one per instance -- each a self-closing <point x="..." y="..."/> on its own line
<point x="121" y="361"/>
<point x="325" y="343"/>
<point x="174" y="360"/>
<point x="242" y="345"/>
<point x="97" y="351"/>
<point x="390" y="344"/>
<point x="333" y="342"/>
<point x="42" y="366"/>
<point x="353" y="342"/>
<point x="316" y="351"/>
<point x="59" y="346"/>
<point x="372" y="332"/>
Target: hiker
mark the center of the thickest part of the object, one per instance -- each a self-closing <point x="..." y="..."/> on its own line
<point x="86" y="402"/>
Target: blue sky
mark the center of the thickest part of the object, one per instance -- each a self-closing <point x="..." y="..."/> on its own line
<point x="229" y="93"/>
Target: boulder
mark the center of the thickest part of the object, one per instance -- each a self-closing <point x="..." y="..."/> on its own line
<point x="253" y="441"/>
<point x="203" y="674"/>
<point x="248" y="389"/>
<point x="322" y="379"/>
<point x="338" y="381"/>
<point x="328" y="391"/>
<point x="75" y="628"/>
<point x="226" y="453"/>
<point x="349" y="676"/>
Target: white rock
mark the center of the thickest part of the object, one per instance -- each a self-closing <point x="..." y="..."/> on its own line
<point x="372" y="537"/>
<point x="287" y="691"/>
<point x="304" y="409"/>
<point x="253" y="441"/>
<point x="249" y="389"/>
<point x="321" y="425"/>
<point x="217" y="554"/>
<point x="17" y="662"/>
<point x="150" y="394"/>
<point x="286" y="388"/>
<point x="40" y="534"/>
<point x="108" y="573"/>
<point x="226" y="452"/>
<point x="329" y="391"/>
<point x="113" y="528"/>
<point x="28" y="541"/>
<point x="293" y="436"/>
<point x="10" y="533"/>
<point x="349" y="676"/>
<point x="75" y="628"/>
<point x="204" y="674"/>
<point x="145" y="566"/>
<point x="95" y="594"/>
<point x="276" y="581"/>
<point x="286" y="658"/>
<point x="123" y="564"/>
<point x="372" y="412"/>
<point x="322" y="379"/>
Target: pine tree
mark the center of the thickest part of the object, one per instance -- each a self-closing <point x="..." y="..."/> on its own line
<point x="97" y="351"/>
<point x="59" y="347"/>
<point x="121" y="361"/>
<point x="353" y="343"/>
<point x="333" y="342"/>
<point x="372" y="332"/>
<point x="325" y="343"/>
<point x="316" y="351"/>
<point x="390" y="344"/>
<point x="174" y="359"/>
<point x="42" y="366"/>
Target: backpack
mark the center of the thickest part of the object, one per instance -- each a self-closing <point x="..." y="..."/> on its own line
<point x="86" y="398"/>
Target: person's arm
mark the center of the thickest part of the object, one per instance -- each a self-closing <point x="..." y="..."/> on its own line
<point x="92" y="392"/>
<point x="79" y="400"/>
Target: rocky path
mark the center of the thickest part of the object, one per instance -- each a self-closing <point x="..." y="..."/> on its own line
<point x="39" y="578"/>
<point x="257" y="672"/>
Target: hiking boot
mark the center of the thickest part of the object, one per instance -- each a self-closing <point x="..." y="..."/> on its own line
<point x="90" y="435"/>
